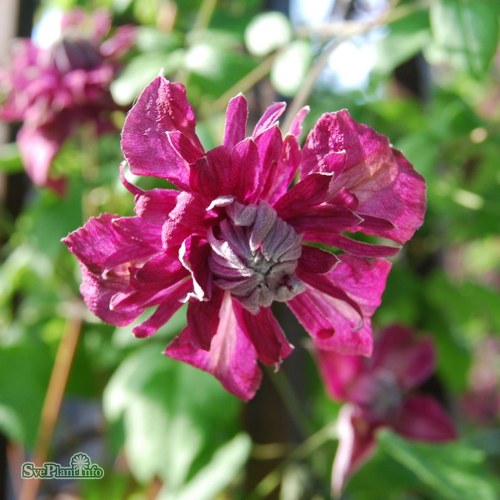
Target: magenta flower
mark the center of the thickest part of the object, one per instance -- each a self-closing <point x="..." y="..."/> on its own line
<point x="235" y="238"/>
<point x="380" y="392"/>
<point x="53" y="90"/>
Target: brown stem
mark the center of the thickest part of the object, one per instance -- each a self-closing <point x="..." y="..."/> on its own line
<point x="52" y="404"/>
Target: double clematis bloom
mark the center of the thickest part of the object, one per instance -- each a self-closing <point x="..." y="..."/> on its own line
<point x="235" y="237"/>
<point x="53" y="90"/>
<point x="380" y="392"/>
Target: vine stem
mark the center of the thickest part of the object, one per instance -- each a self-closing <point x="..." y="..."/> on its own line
<point x="52" y="403"/>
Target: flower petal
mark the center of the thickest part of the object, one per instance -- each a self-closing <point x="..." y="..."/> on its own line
<point x="422" y="418"/>
<point x="193" y="254"/>
<point x="265" y="333"/>
<point x="316" y="261"/>
<point x="232" y="357"/>
<point x="325" y="218"/>
<point x="162" y="107"/>
<point x="171" y="303"/>
<point x="411" y="359"/>
<point x="338" y="372"/>
<point x="356" y="444"/>
<point x="296" y="126"/>
<point x="384" y="182"/>
<point x="236" y="121"/>
<point x="203" y="319"/>
<point x="334" y="323"/>
<point x="38" y="148"/>
<point x="269" y="118"/>
<point x="309" y="192"/>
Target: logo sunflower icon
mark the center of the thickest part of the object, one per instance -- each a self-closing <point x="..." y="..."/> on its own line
<point x="79" y="462"/>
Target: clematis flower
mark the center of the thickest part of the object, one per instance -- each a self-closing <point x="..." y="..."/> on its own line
<point x="381" y="392"/>
<point x="53" y="90"/>
<point x="234" y="237"/>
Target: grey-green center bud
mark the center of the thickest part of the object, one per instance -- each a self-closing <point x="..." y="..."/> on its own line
<point x="255" y="255"/>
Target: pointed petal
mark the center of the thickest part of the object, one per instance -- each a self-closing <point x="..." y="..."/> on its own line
<point x="265" y="333"/>
<point x="354" y="247"/>
<point x="236" y="121"/>
<point x="288" y="163"/>
<point x="203" y="319"/>
<point x="410" y="358"/>
<point x="296" y="126"/>
<point x="162" y="107"/>
<point x="269" y="118"/>
<point x="171" y="303"/>
<point x="422" y="418"/>
<point x="309" y="192"/>
<point x="327" y="218"/>
<point x="232" y="358"/>
<point x="356" y="445"/>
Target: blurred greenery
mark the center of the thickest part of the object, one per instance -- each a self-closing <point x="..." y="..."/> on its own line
<point x="170" y="431"/>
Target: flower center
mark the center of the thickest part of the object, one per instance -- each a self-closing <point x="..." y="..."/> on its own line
<point x="69" y="54"/>
<point x="254" y="256"/>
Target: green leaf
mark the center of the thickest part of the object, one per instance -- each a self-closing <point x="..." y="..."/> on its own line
<point x="267" y="32"/>
<point x="217" y="474"/>
<point x="290" y="67"/>
<point x="174" y="416"/>
<point x="10" y="161"/>
<point x="465" y="33"/>
<point x="452" y="471"/>
<point x="406" y="37"/>
<point x="24" y="371"/>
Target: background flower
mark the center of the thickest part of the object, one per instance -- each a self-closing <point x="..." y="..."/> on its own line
<point x="54" y="90"/>
<point x="379" y="392"/>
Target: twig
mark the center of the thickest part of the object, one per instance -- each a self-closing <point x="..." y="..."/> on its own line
<point x="52" y="403"/>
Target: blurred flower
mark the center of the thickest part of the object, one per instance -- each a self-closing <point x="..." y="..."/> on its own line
<point x="380" y="393"/>
<point x="236" y="238"/>
<point x="53" y="90"/>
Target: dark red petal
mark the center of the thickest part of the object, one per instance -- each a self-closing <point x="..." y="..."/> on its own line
<point x="236" y="121"/>
<point x="162" y="107"/>
<point x="265" y="333"/>
<point x="232" y="358"/>
<point x="422" y="418"/>
<point x="325" y="218"/>
<point x="203" y="319"/>
<point x="269" y="118"/>
<point x="338" y="371"/>
<point x="411" y="359"/>
<point x="171" y="303"/>
<point x="309" y="192"/>
<point x="354" y="247"/>
<point x="194" y="254"/>
<point x="316" y="261"/>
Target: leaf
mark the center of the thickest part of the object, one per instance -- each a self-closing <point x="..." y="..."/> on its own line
<point x="10" y="160"/>
<point x="24" y="371"/>
<point x="217" y="474"/>
<point x="175" y="416"/>
<point x="465" y="33"/>
<point x="452" y="470"/>
<point x="267" y="32"/>
<point x="290" y="67"/>
<point x="405" y="38"/>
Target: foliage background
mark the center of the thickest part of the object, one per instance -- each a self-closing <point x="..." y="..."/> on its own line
<point x="164" y="430"/>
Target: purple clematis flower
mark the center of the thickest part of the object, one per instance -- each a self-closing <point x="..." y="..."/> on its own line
<point x="53" y="90"/>
<point x="380" y="393"/>
<point x="235" y="238"/>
